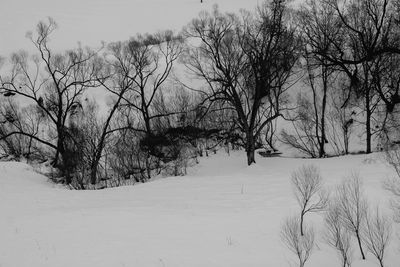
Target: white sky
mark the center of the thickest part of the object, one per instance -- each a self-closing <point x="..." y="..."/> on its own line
<point x="93" y="21"/>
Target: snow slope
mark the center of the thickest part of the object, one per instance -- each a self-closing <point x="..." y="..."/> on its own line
<point x="222" y="214"/>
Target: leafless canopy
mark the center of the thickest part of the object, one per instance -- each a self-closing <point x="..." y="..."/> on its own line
<point x="377" y="234"/>
<point x="308" y="189"/>
<point x="337" y="235"/>
<point x="353" y="207"/>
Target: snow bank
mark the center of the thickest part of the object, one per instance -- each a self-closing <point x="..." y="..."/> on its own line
<point x="222" y="214"/>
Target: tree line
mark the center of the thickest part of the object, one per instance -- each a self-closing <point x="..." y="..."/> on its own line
<point x="342" y="54"/>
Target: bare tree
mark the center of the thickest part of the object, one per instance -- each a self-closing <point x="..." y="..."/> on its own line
<point x="392" y="156"/>
<point x="367" y="26"/>
<point x="14" y="118"/>
<point x="301" y="245"/>
<point x="270" y="135"/>
<point x="88" y="128"/>
<point x="379" y="35"/>
<point x="148" y="63"/>
<point x="367" y="31"/>
<point x="377" y="234"/>
<point x="307" y="186"/>
<point x="318" y="29"/>
<point x="54" y="82"/>
<point x="369" y="98"/>
<point x="143" y="65"/>
<point x="386" y="83"/>
<point x="338" y="236"/>
<point x="353" y="207"/>
<point x="127" y="160"/>
<point x="117" y="81"/>
<point x="245" y="64"/>
<point x="303" y="136"/>
<point x="341" y="120"/>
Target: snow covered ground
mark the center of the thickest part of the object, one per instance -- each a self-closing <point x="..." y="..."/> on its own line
<point x="222" y="214"/>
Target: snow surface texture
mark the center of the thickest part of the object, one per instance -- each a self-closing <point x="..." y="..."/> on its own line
<point x="222" y="214"/>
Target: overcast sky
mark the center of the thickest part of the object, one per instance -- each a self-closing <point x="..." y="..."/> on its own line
<point x="93" y="21"/>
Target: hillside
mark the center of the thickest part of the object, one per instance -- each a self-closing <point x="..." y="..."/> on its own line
<point x="222" y="214"/>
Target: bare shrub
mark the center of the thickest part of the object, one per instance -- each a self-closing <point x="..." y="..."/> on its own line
<point x="301" y="245"/>
<point x="338" y="236"/>
<point x="353" y="207"/>
<point x="307" y="186"/>
<point x="377" y="234"/>
<point x="75" y="160"/>
<point x="54" y="82"/>
<point x="14" y="118"/>
<point x="10" y="121"/>
<point x="127" y="160"/>
<point x="302" y="139"/>
<point x="85" y="128"/>
<point x="182" y="154"/>
<point x="340" y="121"/>
<point x="392" y="157"/>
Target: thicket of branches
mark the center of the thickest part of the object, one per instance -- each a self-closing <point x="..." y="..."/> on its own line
<point x="349" y="49"/>
<point x="343" y="55"/>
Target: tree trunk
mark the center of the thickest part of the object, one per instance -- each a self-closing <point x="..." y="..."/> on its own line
<point x="250" y="149"/>
<point x="346" y="141"/>
<point x="148" y="127"/>
<point x="93" y="172"/>
<point x="100" y="146"/>
<point x="60" y="146"/>
<point x="148" y="167"/>
<point x="369" y="135"/>
<point x="368" y="121"/>
<point x="360" y="245"/>
<point x="251" y="157"/>
<point x="323" y="111"/>
<point x="61" y="158"/>
<point x="302" y="223"/>
<point x="56" y="160"/>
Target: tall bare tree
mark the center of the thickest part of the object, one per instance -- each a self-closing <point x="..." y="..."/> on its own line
<point x="353" y="208"/>
<point x="318" y="27"/>
<point x="300" y="245"/>
<point x="337" y="236"/>
<point x="308" y="190"/>
<point x="148" y="65"/>
<point x="367" y="30"/>
<point x="53" y="81"/>
<point x="246" y="64"/>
